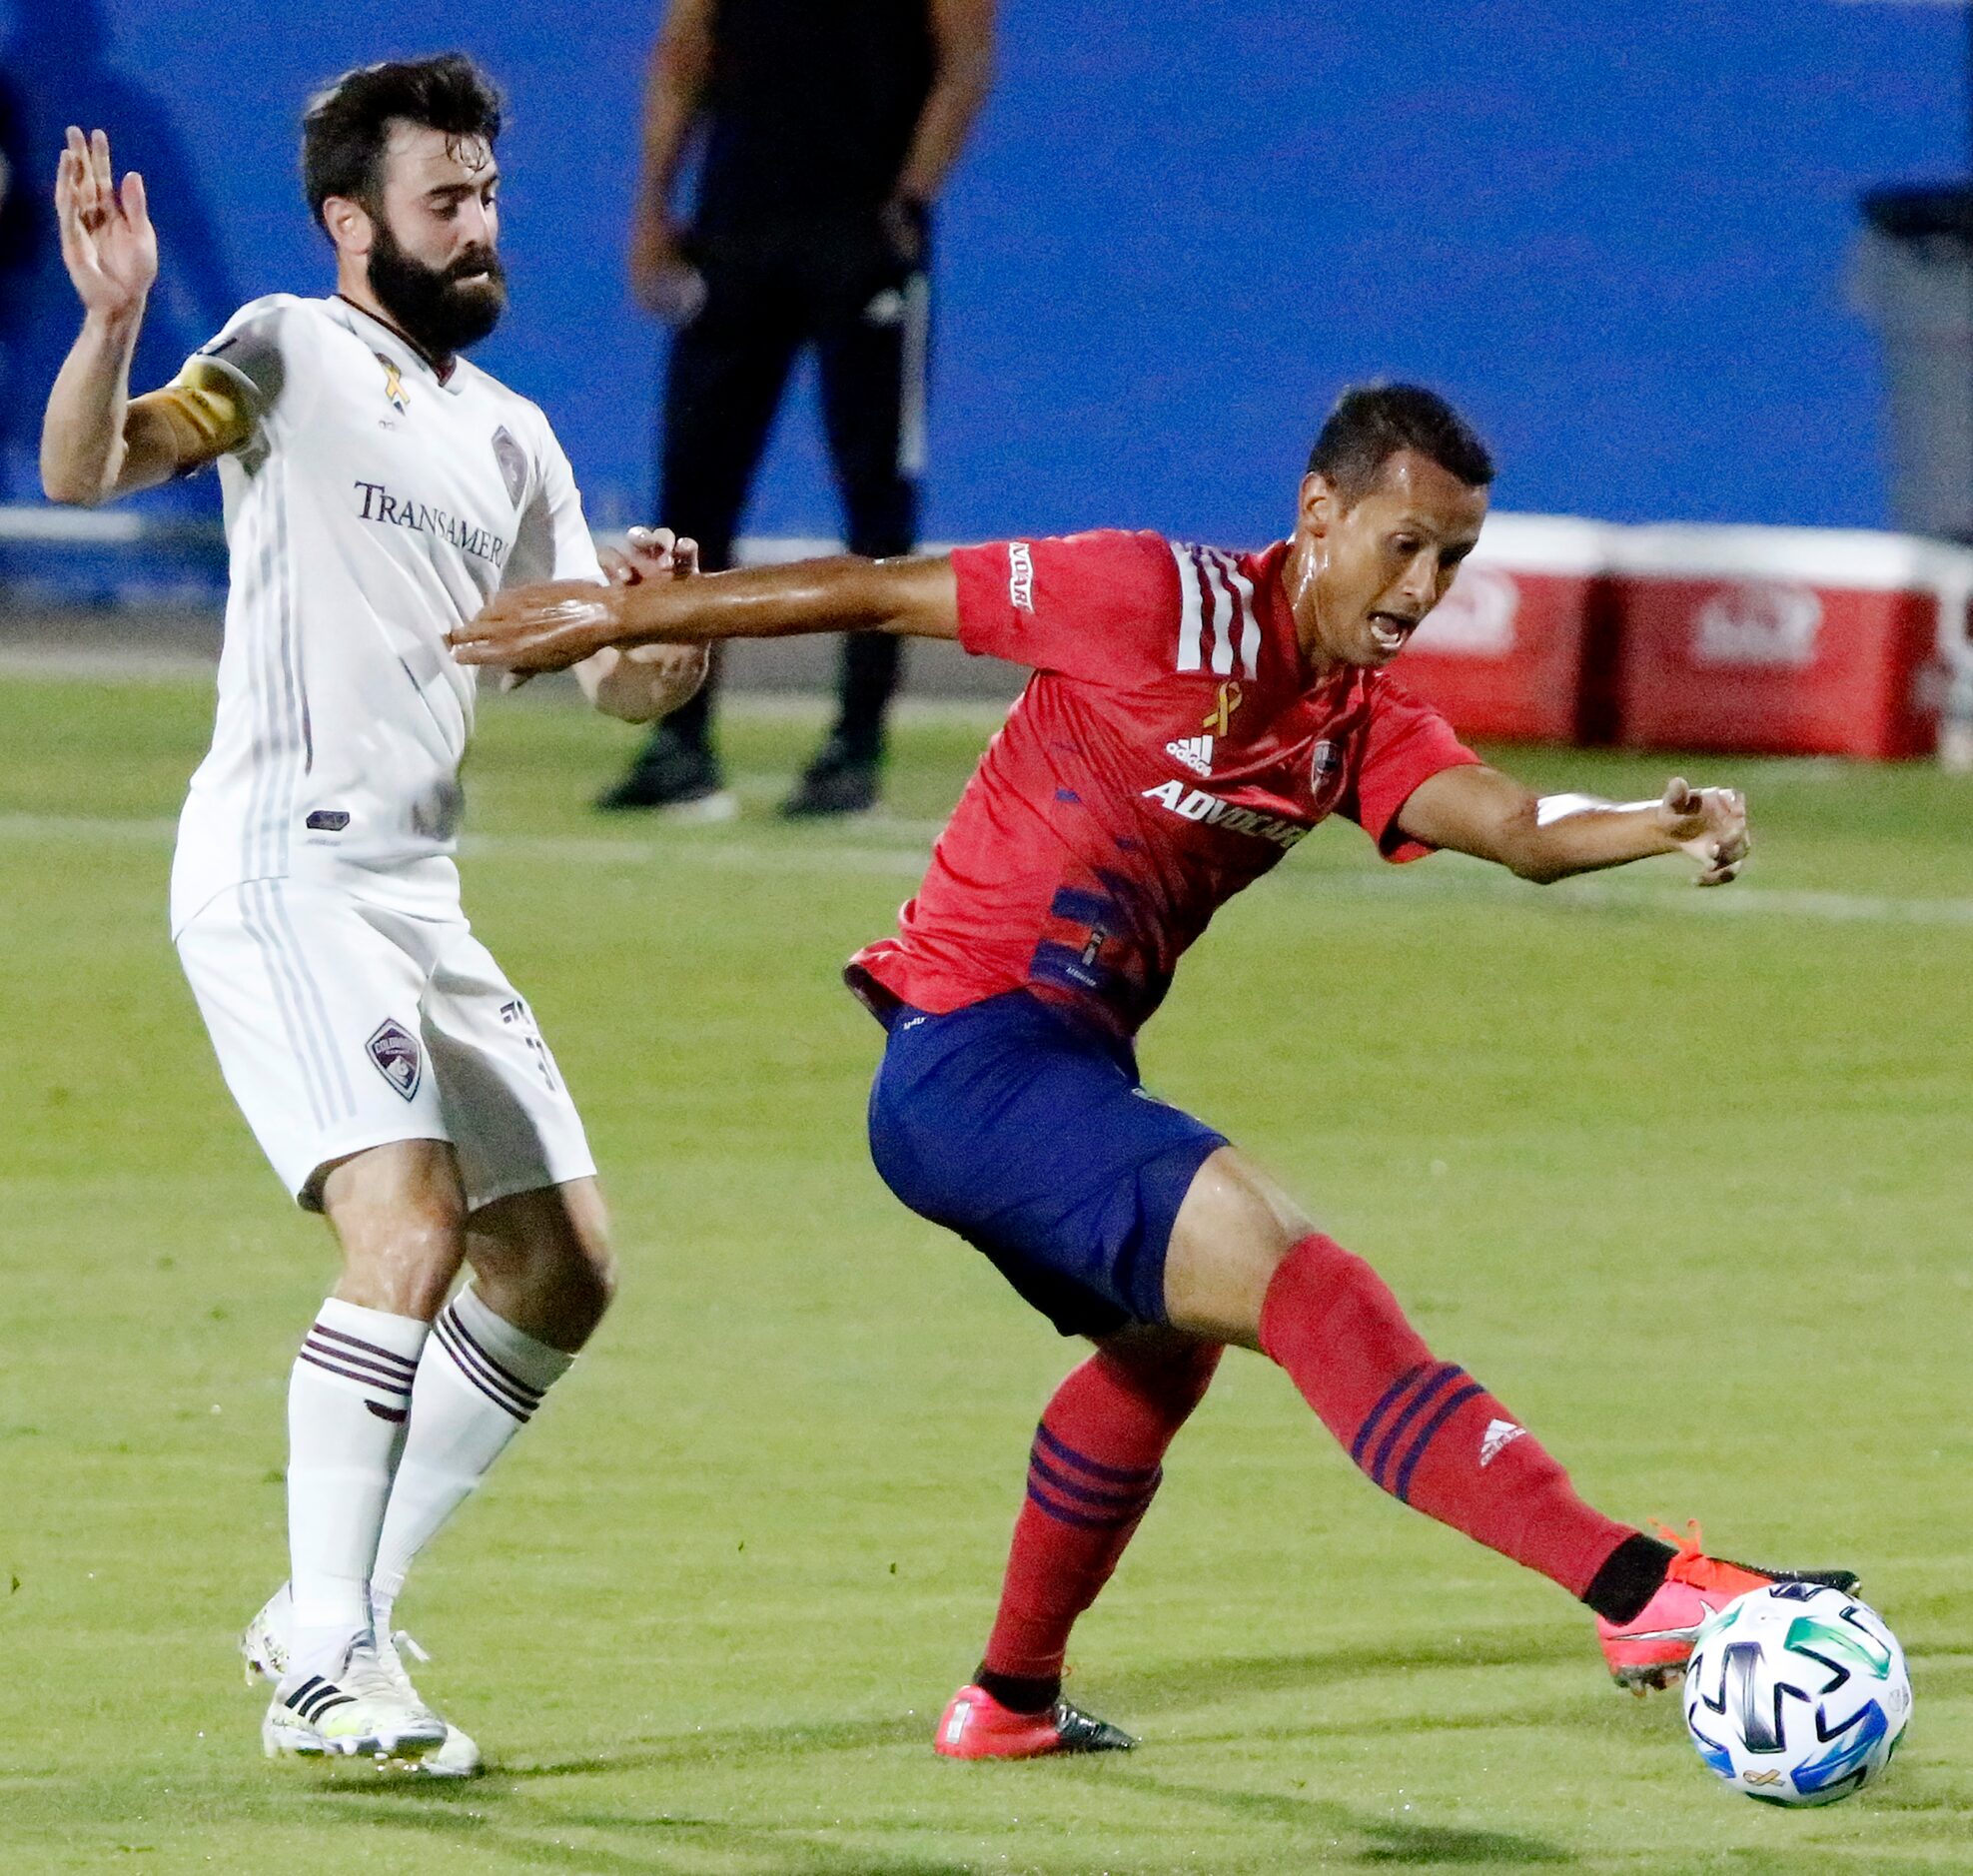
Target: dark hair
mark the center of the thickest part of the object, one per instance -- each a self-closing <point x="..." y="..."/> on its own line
<point x="348" y="123"/>
<point x="1372" y="422"/>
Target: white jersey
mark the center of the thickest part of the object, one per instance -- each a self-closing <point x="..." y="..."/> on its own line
<point x="375" y="505"/>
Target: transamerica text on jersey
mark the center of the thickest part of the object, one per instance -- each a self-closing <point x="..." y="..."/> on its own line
<point x="380" y="504"/>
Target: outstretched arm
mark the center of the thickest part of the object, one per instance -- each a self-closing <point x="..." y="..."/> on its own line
<point x="1479" y="810"/>
<point x="549" y="627"/>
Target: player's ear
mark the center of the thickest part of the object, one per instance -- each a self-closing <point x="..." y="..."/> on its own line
<point x="348" y="225"/>
<point x="1321" y="505"/>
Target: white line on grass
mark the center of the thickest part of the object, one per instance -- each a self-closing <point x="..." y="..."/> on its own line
<point x="112" y="663"/>
<point x="106" y="664"/>
<point x="897" y="849"/>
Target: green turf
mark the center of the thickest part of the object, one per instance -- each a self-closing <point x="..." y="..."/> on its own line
<point x="1689" y="1189"/>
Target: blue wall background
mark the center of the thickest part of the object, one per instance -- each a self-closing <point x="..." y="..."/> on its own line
<point x="1617" y="235"/>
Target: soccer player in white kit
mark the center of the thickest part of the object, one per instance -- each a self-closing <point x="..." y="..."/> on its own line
<point x="378" y="489"/>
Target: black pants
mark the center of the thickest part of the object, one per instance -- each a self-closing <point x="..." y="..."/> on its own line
<point x="866" y="313"/>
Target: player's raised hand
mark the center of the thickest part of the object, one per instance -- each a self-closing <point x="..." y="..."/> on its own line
<point x="108" y="244"/>
<point x="1708" y="823"/>
<point x="654" y="553"/>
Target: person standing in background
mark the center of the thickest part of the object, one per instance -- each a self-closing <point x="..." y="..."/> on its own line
<point x="827" y="129"/>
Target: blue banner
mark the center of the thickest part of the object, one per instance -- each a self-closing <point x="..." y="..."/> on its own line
<point x="1617" y="235"/>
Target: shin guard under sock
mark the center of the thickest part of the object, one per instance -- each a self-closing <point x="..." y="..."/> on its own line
<point x="1422" y="1429"/>
<point x="1092" y="1471"/>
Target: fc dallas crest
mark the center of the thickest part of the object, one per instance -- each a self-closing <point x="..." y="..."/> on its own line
<point x="1327" y="773"/>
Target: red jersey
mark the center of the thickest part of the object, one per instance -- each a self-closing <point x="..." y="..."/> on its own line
<point x="1166" y="753"/>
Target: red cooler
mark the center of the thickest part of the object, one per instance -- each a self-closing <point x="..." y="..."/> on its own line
<point x="1783" y="641"/>
<point x="1505" y="655"/>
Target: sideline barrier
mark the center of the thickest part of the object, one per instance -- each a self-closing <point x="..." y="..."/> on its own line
<point x="1787" y="640"/>
<point x="1764" y="640"/>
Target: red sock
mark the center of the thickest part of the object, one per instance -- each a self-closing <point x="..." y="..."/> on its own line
<point x="1091" y="1475"/>
<point x="1422" y="1428"/>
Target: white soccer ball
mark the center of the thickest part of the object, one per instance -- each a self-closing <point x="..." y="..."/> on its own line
<point x="1796" y="1695"/>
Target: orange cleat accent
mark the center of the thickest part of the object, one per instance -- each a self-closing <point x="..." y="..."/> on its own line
<point x="1651" y="1649"/>
<point x="976" y="1726"/>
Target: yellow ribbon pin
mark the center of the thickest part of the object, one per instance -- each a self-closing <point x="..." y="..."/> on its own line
<point x="1222" y="712"/>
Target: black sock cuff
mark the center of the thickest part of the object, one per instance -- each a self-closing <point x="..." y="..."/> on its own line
<point x="1018" y="1693"/>
<point x="1630" y="1577"/>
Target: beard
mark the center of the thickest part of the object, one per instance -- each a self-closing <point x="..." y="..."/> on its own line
<point x="435" y="305"/>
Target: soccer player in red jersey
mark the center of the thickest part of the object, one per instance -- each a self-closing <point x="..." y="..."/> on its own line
<point x="1192" y="715"/>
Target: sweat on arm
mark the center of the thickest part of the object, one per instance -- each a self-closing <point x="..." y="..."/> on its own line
<point x="549" y="627"/>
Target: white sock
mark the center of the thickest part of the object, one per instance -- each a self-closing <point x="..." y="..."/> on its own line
<point x="347" y="1400"/>
<point x="479" y="1384"/>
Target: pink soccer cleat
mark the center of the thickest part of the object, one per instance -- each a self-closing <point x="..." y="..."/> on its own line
<point x="1651" y="1649"/>
<point x="976" y="1726"/>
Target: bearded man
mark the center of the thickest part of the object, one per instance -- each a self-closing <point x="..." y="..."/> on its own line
<point x="378" y="491"/>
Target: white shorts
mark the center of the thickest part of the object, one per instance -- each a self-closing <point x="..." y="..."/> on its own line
<point x="340" y="1024"/>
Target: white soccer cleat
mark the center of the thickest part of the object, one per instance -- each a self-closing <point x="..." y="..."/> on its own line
<point x="459" y="1757"/>
<point x="358" y="1712"/>
<point x="264" y="1651"/>
<point x="264" y="1641"/>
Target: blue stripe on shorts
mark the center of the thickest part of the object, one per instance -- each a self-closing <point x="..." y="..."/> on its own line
<point x="1029" y="1134"/>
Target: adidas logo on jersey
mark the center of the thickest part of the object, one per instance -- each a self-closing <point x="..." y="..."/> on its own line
<point x="1196" y="752"/>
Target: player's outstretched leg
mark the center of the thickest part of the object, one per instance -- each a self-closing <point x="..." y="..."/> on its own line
<point x="1246" y="1265"/>
<point x="1434" y="1438"/>
<point x="1092" y="1471"/>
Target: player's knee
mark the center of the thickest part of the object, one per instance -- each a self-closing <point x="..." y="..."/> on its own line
<point x="544" y="1261"/>
<point x="561" y="1287"/>
<point x="404" y="1263"/>
<point x="427" y="1235"/>
<point x="584" y="1259"/>
<point x="402" y="1245"/>
<point x="587" y="1283"/>
<point x="1230" y="1237"/>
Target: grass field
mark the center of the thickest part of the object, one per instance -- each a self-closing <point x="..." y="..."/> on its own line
<point x="1684" y="1176"/>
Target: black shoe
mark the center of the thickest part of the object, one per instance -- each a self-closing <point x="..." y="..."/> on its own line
<point x="837" y="782"/>
<point x="674" y="778"/>
<point x="1084" y="1733"/>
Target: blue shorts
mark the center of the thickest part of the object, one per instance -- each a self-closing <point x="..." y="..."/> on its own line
<point x="1030" y="1135"/>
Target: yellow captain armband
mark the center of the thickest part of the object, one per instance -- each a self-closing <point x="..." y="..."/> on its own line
<point x="207" y="408"/>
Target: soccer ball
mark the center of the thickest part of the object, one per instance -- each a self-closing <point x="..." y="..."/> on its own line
<point x="1796" y="1695"/>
